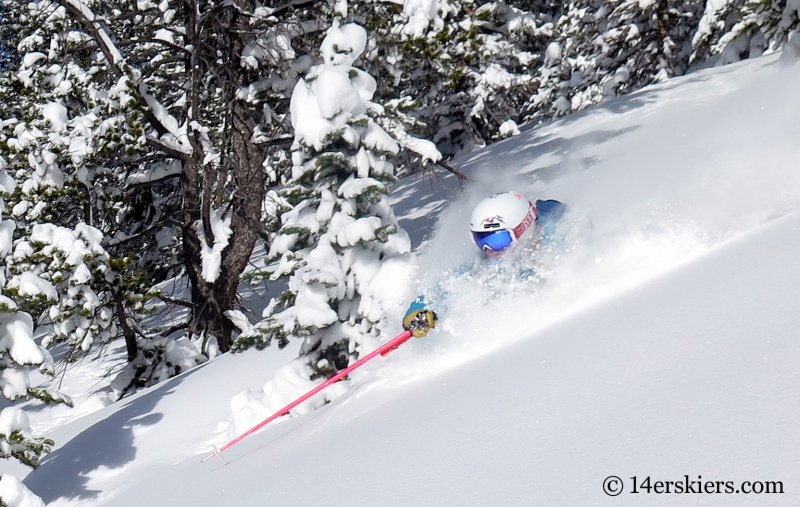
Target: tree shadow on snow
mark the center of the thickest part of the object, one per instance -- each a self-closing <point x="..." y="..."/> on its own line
<point x="544" y="154"/>
<point x="104" y="448"/>
<point x="545" y="157"/>
<point x="415" y="202"/>
<point x="540" y="153"/>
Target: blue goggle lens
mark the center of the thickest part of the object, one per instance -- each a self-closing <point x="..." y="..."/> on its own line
<point x="495" y="241"/>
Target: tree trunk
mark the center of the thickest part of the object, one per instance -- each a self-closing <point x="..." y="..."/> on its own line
<point x="131" y="346"/>
<point x="242" y="159"/>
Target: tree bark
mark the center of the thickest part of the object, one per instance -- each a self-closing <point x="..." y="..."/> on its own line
<point x="131" y="347"/>
<point x="226" y="31"/>
<point x="243" y="158"/>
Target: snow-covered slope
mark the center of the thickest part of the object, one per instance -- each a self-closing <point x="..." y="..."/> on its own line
<point x="643" y="385"/>
<point x="664" y="344"/>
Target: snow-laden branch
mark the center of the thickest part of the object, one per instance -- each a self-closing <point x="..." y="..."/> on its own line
<point x="160" y="117"/>
<point x="87" y="17"/>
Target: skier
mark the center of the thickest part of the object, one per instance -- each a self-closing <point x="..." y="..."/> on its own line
<point x="497" y="226"/>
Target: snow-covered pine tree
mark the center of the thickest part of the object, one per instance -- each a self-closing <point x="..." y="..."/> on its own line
<point x="453" y="71"/>
<point x="18" y="351"/>
<point x="609" y="48"/>
<point x="7" y="36"/>
<point x="133" y="118"/>
<point x="738" y="29"/>
<point x="717" y="20"/>
<point x="59" y="125"/>
<point x="59" y="275"/>
<point x="18" y="354"/>
<point x="161" y="132"/>
<point x="340" y="228"/>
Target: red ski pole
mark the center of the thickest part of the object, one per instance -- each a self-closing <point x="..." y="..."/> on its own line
<point x="382" y="350"/>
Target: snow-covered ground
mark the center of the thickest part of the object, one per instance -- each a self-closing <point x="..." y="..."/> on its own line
<point x="663" y="343"/>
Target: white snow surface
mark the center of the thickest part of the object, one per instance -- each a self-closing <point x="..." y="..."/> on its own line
<point x="663" y="344"/>
<point x="14" y="493"/>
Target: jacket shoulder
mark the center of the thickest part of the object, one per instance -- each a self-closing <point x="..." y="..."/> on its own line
<point x="550" y="208"/>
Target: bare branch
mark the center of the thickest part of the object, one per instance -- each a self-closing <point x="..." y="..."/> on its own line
<point x="86" y="17"/>
<point x="461" y="176"/>
<point x="175" y="328"/>
<point x="170" y="45"/>
<point x="154" y="181"/>
<point x="156" y="226"/>
<point x="167" y="150"/>
<point x="291" y="5"/>
<point x="444" y="165"/>
<point x="178" y="302"/>
<point x="82" y="13"/>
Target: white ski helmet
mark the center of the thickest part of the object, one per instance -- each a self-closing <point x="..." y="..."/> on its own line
<point x="498" y="221"/>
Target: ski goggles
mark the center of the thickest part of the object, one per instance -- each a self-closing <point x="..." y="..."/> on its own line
<point x="495" y="241"/>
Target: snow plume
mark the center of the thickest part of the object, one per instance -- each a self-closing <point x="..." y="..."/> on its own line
<point x="287" y="384"/>
<point x="338" y="237"/>
<point x="634" y="215"/>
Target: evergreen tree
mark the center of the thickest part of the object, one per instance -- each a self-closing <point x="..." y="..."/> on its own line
<point x="340" y="228"/>
<point x="717" y="20"/>
<point x="8" y="37"/>
<point x="737" y="29"/>
<point x="18" y="351"/>
<point x="455" y="71"/>
<point x="17" y="441"/>
<point x="68" y="140"/>
<point x="158" y="126"/>
<point x="148" y="136"/>
<point x="609" y="48"/>
<point x="18" y="354"/>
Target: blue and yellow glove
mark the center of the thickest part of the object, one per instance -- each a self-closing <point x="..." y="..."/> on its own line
<point x="418" y="319"/>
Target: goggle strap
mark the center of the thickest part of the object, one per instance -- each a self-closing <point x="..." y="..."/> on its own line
<point x="526" y="222"/>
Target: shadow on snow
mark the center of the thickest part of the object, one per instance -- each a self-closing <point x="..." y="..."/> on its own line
<point x="107" y="444"/>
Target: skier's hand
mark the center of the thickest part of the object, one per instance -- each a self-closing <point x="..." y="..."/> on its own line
<point x="418" y="319"/>
<point x="419" y="322"/>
